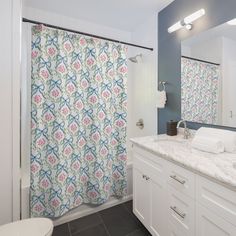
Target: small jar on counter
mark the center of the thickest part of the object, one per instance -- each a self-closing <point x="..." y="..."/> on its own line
<point x="171" y="129"/>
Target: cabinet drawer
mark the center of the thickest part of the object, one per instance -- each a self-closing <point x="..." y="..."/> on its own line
<point x="173" y="230"/>
<point x="181" y="179"/>
<point x="217" y="198"/>
<point x="181" y="212"/>
<point x="210" y="224"/>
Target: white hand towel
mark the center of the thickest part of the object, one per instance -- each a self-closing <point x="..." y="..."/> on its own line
<point x="161" y="99"/>
<point x="208" y="144"/>
<point x="227" y="137"/>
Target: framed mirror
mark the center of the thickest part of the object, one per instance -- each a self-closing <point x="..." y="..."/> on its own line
<point x="208" y="76"/>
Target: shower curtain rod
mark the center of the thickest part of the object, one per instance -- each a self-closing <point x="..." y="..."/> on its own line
<point x="195" y="59"/>
<point x="86" y="34"/>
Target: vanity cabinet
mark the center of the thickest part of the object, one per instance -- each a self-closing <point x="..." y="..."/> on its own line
<point x="173" y="201"/>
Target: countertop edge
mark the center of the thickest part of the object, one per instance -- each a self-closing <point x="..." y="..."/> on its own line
<point x="195" y="171"/>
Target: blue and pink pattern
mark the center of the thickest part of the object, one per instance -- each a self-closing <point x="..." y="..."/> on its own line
<point x="199" y="91"/>
<point x="79" y="112"/>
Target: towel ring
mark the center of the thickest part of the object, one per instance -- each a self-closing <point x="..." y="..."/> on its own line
<point x="163" y="83"/>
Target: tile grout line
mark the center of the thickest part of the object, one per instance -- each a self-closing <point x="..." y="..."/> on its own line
<point x="130" y="213"/>
<point x="108" y="233"/>
<point x="137" y="230"/>
<point x="133" y="216"/>
<point x="86" y="227"/>
<point x="68" y="225"/>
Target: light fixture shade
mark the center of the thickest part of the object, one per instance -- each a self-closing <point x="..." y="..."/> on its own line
<point x="175" y="27"/>
<point x="232" y="22"/>
<point x="187" y="21"/>
<point x="191" y="18"/>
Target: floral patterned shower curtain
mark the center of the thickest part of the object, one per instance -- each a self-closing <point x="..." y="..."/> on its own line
<point x="79" y="100"/>
<point x="199" y="91"/>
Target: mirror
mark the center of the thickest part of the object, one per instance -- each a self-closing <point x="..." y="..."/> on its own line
<point x="208" y="76"/>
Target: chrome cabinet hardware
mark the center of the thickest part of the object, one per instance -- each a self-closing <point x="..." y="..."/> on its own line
<point x="175" y="209"/>
<point x="174" y="177"/>
<point x="146" y="177"/>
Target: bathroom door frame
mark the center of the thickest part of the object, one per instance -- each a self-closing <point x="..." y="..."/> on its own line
<point x="16" y="78"/>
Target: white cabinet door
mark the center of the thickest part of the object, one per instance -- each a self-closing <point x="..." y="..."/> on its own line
<point x="141" y="194"/>
<point x="150" y="194"/>
<point x="208" y="223"/>
<point x="157" y="207"/>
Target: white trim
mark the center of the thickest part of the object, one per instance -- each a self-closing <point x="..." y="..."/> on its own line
<point x="87" y="210"/>
<point x="16" y="62"/>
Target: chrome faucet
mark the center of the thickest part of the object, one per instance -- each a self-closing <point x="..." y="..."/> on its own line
<point x="186" y="130"/>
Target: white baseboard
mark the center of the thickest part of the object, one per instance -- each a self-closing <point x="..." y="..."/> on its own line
<point x="85" y="210"/>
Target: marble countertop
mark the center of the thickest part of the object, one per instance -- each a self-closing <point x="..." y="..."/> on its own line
<point x="220" y="167"/>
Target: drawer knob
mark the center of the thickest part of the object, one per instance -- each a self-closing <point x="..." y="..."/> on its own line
<point x="181" y="181"/>
<point x="146" y="177"/>
<point x="175" y="209"/>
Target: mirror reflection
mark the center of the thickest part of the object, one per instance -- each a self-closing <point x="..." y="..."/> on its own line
<point x="208" y="76"/>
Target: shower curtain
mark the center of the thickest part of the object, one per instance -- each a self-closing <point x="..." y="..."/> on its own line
<point x="199" y="91"/>
<point x="79" y="100"/>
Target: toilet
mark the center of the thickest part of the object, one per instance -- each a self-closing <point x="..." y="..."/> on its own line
<point x="28" y="227"/>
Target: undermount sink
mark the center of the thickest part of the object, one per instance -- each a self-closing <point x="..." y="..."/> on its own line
<point x="234" y="165"/>
<point x="170" y="141"/>
<point x="173" y="143"/>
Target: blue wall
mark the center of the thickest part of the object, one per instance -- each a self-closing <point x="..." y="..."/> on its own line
<point x="169" y="47"/>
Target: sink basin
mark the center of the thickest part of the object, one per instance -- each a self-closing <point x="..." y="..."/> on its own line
<point x="170" y="141"/>
<point x="234" y="165"/>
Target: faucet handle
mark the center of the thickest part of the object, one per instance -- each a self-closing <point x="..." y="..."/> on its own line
<point x="140" y="124"/>
<point x="187" y="133"/>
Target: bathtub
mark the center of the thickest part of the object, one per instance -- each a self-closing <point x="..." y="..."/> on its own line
<point x="80" y="211"/>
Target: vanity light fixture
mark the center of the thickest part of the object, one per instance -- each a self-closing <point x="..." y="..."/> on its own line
<point x="232" y="22"/>
<point x="187" y="22"/>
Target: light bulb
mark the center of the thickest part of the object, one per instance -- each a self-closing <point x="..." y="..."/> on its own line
<point x="191" y="18"/>
<point x="187" y="21"/>
<point x="175" y="27"/>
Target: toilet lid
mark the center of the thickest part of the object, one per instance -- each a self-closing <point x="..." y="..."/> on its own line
<point x="29" y="227"/>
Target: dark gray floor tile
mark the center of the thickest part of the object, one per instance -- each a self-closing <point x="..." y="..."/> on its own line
<point x="118" y="221"/>
<point x="84" y="223"/>
<point x="98" y="230"/>
<point x="129" y="206"/>
<point x="140" y="232"/>
<point x="61" y="230"/>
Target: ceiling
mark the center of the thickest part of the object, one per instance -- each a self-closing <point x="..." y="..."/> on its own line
<point x="119" y="14"/>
